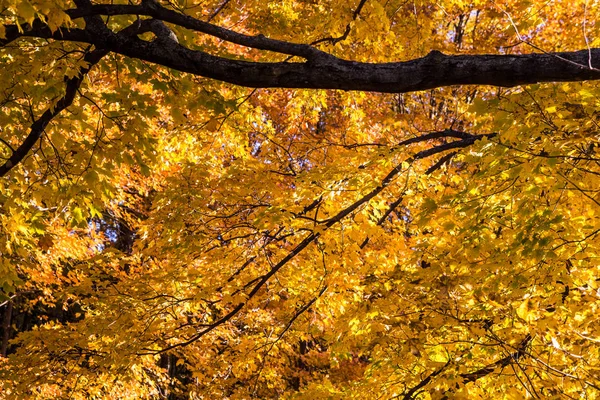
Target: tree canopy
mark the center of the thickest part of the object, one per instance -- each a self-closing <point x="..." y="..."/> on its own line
<point x="299" y="199"/>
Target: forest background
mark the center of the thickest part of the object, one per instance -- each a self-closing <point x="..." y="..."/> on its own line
<point x="299" y="199"/>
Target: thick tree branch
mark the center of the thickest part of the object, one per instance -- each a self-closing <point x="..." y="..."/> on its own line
<point x="446" y="133"/>
<point x="92" y="22"/>
<point x="156" y="11"/>
<point x="321" y="71"/>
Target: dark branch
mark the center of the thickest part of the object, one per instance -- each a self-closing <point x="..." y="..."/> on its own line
<point x="72" y="84"/>
<point x="473" y="376"/>
<point x="92" y="22"/>
<point x="511" y="358"/>
<point x="433" y="135"/>
<point x="344" y="36"/>
<point x="156" y="11"/>
<point x="37" y="128"/>
<point x="446" y="133"/>
<point x="298" y="313"/>
<point x="321" y="71"/>
<point x="410" y="394"/>
<point x="440" y="163"/>
<point x="218" y="10"/>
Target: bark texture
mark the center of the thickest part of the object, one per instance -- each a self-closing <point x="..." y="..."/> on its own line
<point x="320" y="70"/>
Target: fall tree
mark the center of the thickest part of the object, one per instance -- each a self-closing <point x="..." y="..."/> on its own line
<point x="299" y="199"/>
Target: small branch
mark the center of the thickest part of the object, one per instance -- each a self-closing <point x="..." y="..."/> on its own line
<point x="511" y="358"/>
<point x="434" y="167"/>
<point x="298" y="313"/>
<point x="410" y="394"/>
<point x="240" y="269"/>
<point x="344" y="36"/>
<point x="218" y="10"/>
<point x="6" y="328"/>
<point x="440" y="163"/>
<point x="4" y="142"/>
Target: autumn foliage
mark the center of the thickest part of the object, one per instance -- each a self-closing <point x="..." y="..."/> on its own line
<point x="167" y="233"/>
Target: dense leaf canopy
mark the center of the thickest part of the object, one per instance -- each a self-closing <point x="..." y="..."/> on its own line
<point x="299" y="199"/>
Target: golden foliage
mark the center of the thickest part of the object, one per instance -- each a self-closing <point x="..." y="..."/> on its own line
<point x="171" y="235"/>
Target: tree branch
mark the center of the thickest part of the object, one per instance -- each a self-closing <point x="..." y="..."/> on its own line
<point x="410" y="394"/>
<point x="321" y="71"/>
<point x="218" y="10"/>
<point x="72" y="84"/>
<point x="37" y="128"/>
<point x="513" y="357"/>
<point x="344" y="36"/>
<point x="156" y="11"/>
<point x="444" y="159"/>
<point x="473" y="376"/>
